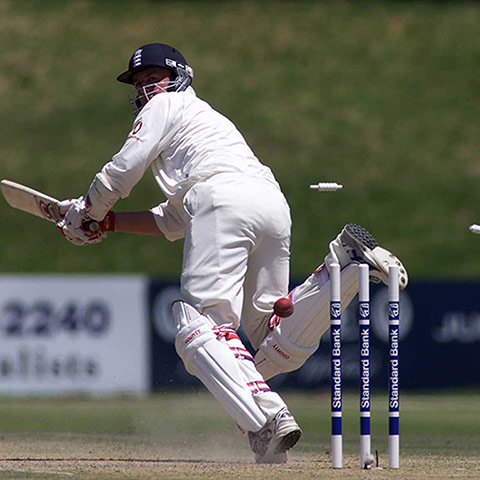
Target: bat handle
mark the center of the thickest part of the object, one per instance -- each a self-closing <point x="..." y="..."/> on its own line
<point x="92" y="226"/>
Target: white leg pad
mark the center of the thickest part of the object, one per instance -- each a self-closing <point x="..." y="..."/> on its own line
<point x="337" y="254"/>
<point x="270" y="403"/>
<point x="208" y="357"/>
<point x="289" y="345"/>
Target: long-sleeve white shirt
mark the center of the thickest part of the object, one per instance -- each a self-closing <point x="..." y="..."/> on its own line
<point x="184" y="141"/>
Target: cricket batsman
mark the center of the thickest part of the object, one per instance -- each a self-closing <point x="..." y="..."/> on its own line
<point x="235" y="222"/>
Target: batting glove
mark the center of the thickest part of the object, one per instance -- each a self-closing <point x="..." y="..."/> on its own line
<point x="77" y="227"/>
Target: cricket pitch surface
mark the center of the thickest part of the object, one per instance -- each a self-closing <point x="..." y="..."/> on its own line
<point x="186" y="436"/>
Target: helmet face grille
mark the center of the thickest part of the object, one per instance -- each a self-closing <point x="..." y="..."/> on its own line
<point x="139" y="98"/>
<point x="182" y="80"/>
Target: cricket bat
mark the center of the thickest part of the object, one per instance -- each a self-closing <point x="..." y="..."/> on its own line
<point x="37" y="203"/>
<point x="32" y="201"/>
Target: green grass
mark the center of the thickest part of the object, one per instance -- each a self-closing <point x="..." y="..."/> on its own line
<point x="380" y="96"/>
<point x="187" y="435"/>
<point x="436" y="423"/>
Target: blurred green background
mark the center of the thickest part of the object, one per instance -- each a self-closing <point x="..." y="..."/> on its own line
<point x="379" y="96"/>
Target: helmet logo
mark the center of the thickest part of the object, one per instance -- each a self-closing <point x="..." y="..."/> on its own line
<point x="137" y="58"/>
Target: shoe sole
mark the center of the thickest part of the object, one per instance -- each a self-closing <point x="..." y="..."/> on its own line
<point x="380" y="257"/>
<point x="359" y="235"/>
<point x="288" y="441"/>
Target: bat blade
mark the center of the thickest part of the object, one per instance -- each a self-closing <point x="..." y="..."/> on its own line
<point x="29" y="200"/>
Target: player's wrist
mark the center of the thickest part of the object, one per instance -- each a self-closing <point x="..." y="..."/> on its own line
<point x="108" y="223"/>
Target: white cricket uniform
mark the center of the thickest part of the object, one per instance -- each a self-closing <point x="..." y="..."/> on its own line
<point x="220" y="198"/>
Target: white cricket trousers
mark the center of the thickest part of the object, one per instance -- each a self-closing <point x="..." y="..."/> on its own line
<point x="236" y="251"/>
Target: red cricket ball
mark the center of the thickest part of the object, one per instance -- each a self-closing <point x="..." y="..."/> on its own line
<point x="283" y="307"/>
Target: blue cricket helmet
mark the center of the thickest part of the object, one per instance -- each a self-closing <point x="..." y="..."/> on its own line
<point x="159" y="55"/>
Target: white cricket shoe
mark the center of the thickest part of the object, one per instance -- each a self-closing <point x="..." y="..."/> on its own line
<point x="270" y="444"/>
<point x="355" y="244"/>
